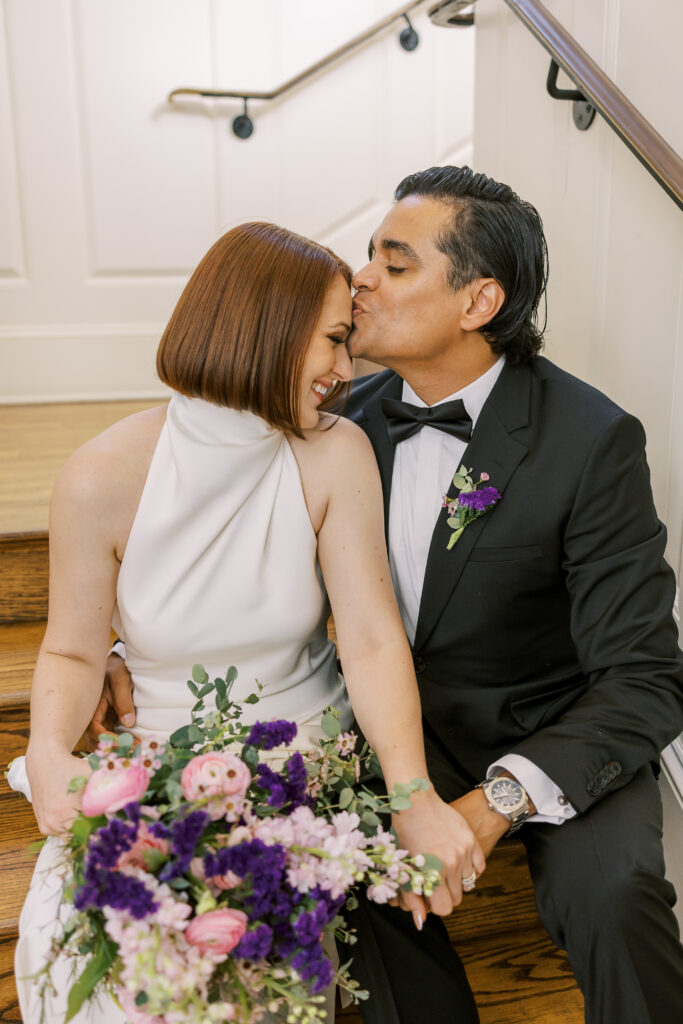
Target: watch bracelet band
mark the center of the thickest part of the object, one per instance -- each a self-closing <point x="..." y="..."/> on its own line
<point x="518" y="818"/>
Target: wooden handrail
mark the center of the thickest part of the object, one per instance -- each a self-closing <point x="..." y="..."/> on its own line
<point x="274" y="94"/>
<point x="654" y="152"/>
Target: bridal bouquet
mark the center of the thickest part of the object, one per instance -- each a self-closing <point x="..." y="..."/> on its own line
<point x="206" y="870"/>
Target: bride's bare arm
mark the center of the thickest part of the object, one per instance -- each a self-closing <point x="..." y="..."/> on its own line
<point x="68" y="673"/>
<point x="375" y="654"/>
<point x="92" y="509"/>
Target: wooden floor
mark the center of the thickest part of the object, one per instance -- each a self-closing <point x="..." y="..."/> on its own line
<point x="517" y="975"/>
<point x="35" y="441"/>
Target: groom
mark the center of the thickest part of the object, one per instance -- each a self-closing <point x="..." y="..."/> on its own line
<point x="543" y="638"/>
<point x="543" y="641"/>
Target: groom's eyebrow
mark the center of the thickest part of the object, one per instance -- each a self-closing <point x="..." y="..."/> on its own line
<point x="394" y="245"/>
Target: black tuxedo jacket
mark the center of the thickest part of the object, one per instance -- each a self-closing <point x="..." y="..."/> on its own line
<point x="547" y="630"/>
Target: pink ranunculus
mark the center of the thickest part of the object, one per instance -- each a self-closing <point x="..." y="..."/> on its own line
<point x="110" y="789"/>
<point x="223" y="882"/>
<point x="217" y="774"/>
<point x="218" y="931"/>
<point x="134" y="857"/>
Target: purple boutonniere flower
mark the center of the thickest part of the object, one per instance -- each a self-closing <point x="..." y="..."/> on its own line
<point x="472" y="501"/>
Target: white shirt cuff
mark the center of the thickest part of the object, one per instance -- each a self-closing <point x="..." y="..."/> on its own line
<point x="118" y="647"/>
<point x="552" y="806"/>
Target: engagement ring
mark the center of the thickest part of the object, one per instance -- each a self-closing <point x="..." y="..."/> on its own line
<point x="469" y="883"/>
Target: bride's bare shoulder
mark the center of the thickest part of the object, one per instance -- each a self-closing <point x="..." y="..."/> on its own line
<point x="109" y="470"/>
<point x="335" y="451"/>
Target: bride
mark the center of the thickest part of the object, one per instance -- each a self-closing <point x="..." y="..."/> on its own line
<point x="212" y="531"/>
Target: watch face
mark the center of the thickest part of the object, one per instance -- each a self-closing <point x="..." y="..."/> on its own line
<point x="506" y="794"/>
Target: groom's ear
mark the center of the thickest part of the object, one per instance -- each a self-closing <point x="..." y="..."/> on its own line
<point x="485" y="297"/>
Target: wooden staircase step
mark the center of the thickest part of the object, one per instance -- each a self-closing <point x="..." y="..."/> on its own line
<point x="24" y="574"/>
<point x="19" y="646"/>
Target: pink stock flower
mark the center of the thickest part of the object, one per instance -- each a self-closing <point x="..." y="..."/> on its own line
<point x="110" y="789"/>
<point x="133" y="1012"/>
<point x="218" y="774"/>
<point x="219" y="931"/>
<point x="134" y="857"/>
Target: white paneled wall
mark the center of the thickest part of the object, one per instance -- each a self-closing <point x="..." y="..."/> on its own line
<point x="109" y="196"/>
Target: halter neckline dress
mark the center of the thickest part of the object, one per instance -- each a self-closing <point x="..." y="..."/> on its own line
<point x="220" y="568"/>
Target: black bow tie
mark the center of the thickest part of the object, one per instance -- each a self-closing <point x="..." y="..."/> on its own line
<point x="404" y="420"/>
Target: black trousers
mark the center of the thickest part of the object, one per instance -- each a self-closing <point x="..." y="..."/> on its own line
<point x="600" y="892"/>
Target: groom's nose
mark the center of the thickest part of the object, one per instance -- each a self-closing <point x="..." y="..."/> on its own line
<point x="366" y="278"/>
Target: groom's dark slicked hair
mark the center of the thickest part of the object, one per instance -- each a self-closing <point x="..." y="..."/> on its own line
<point x="493" y="233"/>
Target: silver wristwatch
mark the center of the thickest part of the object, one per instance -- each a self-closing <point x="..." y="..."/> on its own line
<point x="507" y="797"/>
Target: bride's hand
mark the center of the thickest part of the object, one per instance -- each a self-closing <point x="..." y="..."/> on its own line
<point x="432" y="826"/>
<point x="49" y="777"/>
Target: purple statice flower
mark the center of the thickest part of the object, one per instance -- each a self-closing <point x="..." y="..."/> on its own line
<point x="288" y="786"/>
<point x="274" y="783"/>
<point x="298" y="781"/>
<point x="265" y="867"/>
<point x="309" y="924"/>
<point x="185" y="834"/>
<point x="255" y="944"/>
<point x="158" y="829"/>
<point x="109" y="842"/>
<point x="271" y="734"/>
<point x="479" y="501"/>
<point x="311" y="962"/>
<point x="105" y="888"/>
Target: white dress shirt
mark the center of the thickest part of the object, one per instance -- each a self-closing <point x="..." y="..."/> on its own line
<point x="424" y="465"/>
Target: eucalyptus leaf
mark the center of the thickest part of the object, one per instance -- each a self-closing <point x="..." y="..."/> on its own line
<point x="419" y="785"/>
<point x="76" y="784"/>
<point x="253" y="698"/>
<point x="194" y="689"/>
<point x="181" y="737"/>
<point x="141" y="998"/>
<point x="346" y="797"/>
<point x="370" y="818"/>
<point x="199" y="674"/>
<point x="432" y="862"/>
<point x="400" y="803"/>
<point x="125" y="742"/>
<point x="230" y="676"/>
<point x="459" y="481"/>
<point x="206" y="688"/>
<point x="221" y="690"/>
<point x="330" y="725"/>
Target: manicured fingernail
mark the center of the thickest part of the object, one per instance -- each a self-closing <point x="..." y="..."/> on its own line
<point x="418" y="920"/>
<point x="128" y="719"/>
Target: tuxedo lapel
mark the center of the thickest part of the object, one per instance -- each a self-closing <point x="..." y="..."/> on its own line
<point x="375" y="426"/>
<point x="495" y="451"/>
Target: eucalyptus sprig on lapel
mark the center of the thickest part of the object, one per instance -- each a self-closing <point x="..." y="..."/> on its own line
<point x="472" y="502"/>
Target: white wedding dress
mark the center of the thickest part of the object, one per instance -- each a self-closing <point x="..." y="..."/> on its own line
<point x="220" y="568"/>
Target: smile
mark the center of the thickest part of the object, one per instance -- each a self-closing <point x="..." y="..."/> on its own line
<point x="321" y="389"/>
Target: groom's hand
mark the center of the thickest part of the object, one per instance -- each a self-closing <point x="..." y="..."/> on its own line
<point x="487" y="825"/>
<point x="116" y="702"/>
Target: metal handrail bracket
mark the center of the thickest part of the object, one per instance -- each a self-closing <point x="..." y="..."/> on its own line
<point x="654" y="152"/>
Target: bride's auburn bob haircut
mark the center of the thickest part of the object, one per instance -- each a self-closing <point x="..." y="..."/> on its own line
<point x="239" y="333"/>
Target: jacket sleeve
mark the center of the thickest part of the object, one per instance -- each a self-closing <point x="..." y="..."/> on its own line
<point x="621" y="593"/>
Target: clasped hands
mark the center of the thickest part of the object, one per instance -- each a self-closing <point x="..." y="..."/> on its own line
<point x="462" y="835"/>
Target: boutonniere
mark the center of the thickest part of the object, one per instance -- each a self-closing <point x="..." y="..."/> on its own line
<point x="472" y="502"/>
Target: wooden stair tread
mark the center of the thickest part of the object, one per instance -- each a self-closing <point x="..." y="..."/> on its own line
<point x="35" y="441"/>
<point x="19" y="645"/>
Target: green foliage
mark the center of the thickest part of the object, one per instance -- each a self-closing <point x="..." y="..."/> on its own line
<point x="95" y="970"/>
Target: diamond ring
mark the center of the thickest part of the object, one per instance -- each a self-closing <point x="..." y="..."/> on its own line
<point x="469" y="883"/>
